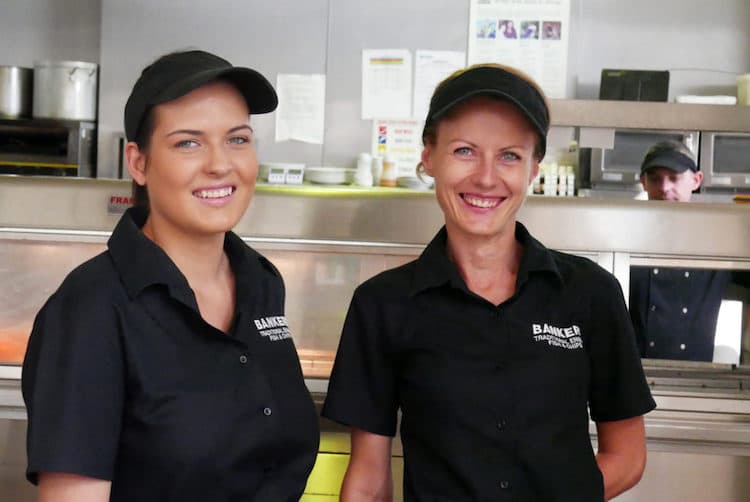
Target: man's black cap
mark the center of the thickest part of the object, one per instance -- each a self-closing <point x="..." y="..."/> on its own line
<point x="178" y="73"/>
<point x="671" y="155"/>
<point x="491" y="80"/>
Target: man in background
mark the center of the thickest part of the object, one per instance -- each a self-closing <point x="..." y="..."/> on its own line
<point x="674" y="311"/>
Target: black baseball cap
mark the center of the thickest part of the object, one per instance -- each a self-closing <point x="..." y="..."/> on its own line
<point x="671" y="155"/>
<point x="495" y="81"/>
<point x="178" y="73"/>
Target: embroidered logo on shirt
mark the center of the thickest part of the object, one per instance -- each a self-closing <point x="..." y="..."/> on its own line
<point x="274" y="328"/>
<point x="567" y="338"/>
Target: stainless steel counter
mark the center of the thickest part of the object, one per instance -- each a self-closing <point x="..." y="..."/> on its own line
<point x="338" y="237"/>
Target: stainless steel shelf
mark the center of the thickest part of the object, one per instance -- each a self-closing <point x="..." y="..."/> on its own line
<point x="649" y="115"/>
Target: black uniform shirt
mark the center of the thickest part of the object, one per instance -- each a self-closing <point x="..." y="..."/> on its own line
<point x="674" y="311"/>
<point x="494" y="399"/>
<point x="124" y="381"/>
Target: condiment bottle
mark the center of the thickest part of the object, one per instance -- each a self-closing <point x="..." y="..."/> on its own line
<point x="390" y="172"/>
<point x="377" y="169"/>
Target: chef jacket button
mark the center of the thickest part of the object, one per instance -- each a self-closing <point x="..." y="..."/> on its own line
<point x="505" y="484"/>
<point x="687" y="274"/>
<point x="684" y="310"/>
<point x="243" y="358"/>
<point x="501" y="424"/>
<point x="267" y="412"/>
<point x="653" y="307"/>
<point x="682" y="346"/>
<point x="656" y="271"/>
<point x="651" y="344"/>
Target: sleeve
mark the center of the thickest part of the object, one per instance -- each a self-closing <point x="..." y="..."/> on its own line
<point x="618" y="385"/>
<point x="362" y="391"/>
<point x="73" y="387"/>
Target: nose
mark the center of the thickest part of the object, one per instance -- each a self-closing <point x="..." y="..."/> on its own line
<point x="485" y="174"/>
<point x="219" y="162"/>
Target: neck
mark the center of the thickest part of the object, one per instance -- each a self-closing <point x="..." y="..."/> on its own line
<point x="200" y="258"/>
<point x="488" y="264"/>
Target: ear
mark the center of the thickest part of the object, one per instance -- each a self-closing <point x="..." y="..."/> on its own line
<point x="136" y="160"/>
<point x="697" y="180"/>
<point x="426" y="159"/>
<point x="643" y="181"/>
<point x="534" y="170"/>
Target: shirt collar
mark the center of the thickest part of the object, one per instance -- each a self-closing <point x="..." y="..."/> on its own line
<point x="434" y="268"/>
<point x="142" y="263"/>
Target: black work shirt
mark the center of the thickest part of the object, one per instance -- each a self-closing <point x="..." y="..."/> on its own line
<point x="124" y="381"/>
<point x="494" y="399"/>
<point x="674" y="311"/>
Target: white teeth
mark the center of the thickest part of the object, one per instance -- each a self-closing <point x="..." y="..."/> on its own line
<point x="214" y="194"/>
<point x="483" y="203"/>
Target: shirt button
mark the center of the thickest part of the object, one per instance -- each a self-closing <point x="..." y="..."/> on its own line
<point x="651" y="344"/>
<point x="243" y="358"/>
<point x="687" y="274"/>
<point x="684" y="310"/>
<point x="501" y="424"/>
<point x="504" y="484"/>
<point x="656" y="271"/>
<point x="653" y="307"/>
<point x="682" y="346"/>
<point x="267" y="412"/>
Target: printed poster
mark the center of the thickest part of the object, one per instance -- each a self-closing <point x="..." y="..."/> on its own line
<point x="531" y="35"/>
<point x="386" y="83"/>
<point x="401" y="139"/>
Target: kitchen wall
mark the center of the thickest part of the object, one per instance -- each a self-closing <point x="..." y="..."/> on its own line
<point x="704" y="45"/>
<point x="49" y="29"/>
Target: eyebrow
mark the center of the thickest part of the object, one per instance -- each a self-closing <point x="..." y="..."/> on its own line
<point x="195" y="132"/>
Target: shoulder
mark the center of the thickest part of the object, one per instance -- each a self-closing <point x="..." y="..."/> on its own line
<point x="392" y="285"/>
<point x="95" y="281"/>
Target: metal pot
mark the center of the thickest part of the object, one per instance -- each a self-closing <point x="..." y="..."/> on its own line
<point x="65" y="90"/>
<point x="16" y="88"/>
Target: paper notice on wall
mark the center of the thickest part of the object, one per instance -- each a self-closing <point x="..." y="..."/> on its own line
<point x="430" y="67"/>
<point x="402" y="140"/>
<point x="386" y="83"/>
<point x="531" y="35"/>
<point x="301" y="111"/>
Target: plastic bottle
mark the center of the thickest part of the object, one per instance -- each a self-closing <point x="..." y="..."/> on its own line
<point x="571" y="175"/>
<point x="377" y="169"/>
<point x="390" y="172"/>
<point x="363" y="174"/>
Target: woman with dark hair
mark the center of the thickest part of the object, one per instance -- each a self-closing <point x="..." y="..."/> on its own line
<point x="164" y="369"/>
<point x="493" y="348"/>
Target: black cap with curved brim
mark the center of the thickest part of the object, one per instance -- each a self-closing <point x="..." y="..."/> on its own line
<point x="179" y="73"/>
<point x="669" y="158"/>
<point x="495" y="82"/>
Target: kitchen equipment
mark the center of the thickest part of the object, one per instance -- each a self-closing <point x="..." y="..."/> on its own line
<point x="16" y="89"/>
<point x="724" y="159"/>
<point x="47" y="147"/>
<point x="281" y="173"/>
<point x="634" y="85"/>
<point x="329" y="175"/>
<point x="621" y="166"/>
<point x="65" y="90"/>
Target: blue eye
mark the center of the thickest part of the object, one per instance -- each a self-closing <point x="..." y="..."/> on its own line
<point x="510" y="156"/>
<point x="187" y="143"/>
<point x="239" y="140"/>
<point x="463" y="151"/>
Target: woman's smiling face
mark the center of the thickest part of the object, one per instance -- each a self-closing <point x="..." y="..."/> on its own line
<point x="483" y="159"/>
<point x="200" y="165"/>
